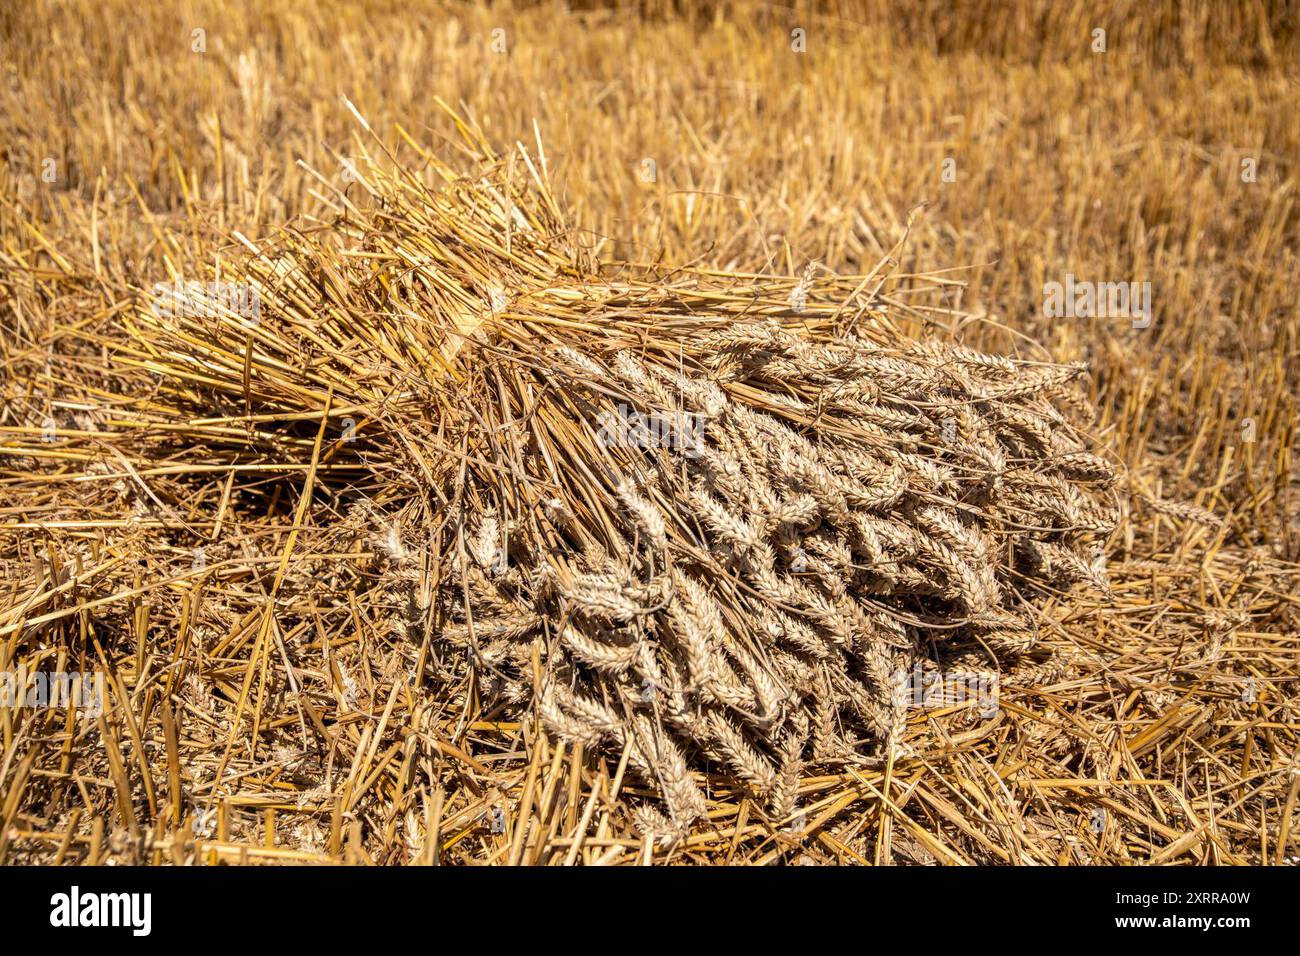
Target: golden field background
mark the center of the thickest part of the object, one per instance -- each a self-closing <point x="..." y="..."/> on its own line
<point x="1116" y="166"/>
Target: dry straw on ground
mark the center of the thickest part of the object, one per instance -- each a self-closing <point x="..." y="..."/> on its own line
<point x="470" y="547"/>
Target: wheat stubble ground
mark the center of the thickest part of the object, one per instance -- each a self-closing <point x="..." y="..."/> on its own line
<point x="297" y="549"/>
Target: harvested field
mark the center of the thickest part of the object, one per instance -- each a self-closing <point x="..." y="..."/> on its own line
<point x="617" y="433"/>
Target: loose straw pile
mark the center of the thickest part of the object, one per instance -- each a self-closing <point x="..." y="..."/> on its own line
<point x="703" y="520"/>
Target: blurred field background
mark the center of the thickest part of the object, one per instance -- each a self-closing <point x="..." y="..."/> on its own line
<point x="1175" y="716"/>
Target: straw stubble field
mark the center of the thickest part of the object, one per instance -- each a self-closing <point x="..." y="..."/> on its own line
<point x="533" y="435"/>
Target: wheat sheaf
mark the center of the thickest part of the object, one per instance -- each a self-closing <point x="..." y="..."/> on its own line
<point x="696" y="521"/>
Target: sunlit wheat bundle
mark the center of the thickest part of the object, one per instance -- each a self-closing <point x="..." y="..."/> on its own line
<point x="705" y="521"/>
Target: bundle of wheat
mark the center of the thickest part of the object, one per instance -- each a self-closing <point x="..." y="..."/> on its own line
<point x="704" y="520"/>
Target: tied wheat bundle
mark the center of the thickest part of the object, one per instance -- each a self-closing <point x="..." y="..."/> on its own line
<point x="704" y="521"/>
